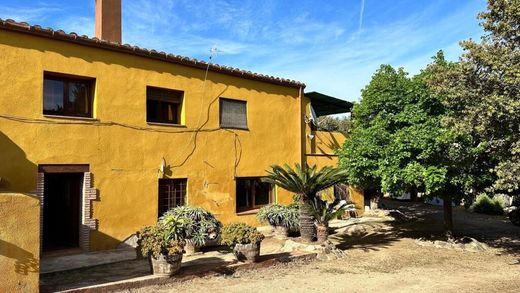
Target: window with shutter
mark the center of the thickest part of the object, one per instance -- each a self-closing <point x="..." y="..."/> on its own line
<point x="233" y="114"/>
<point x="163" y="105"/>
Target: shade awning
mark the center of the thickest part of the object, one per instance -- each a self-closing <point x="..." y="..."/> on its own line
<point x="326" y="105"/>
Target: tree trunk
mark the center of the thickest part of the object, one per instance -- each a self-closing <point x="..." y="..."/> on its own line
<point x="448" y="215"/>
<point x="307" y="227"/>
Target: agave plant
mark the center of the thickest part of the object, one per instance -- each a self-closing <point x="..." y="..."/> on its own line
<point x="324" y="211"/>
<point x="305" y="182"/>
<point x="200" y="224"/>
<point x="279" y="215"/>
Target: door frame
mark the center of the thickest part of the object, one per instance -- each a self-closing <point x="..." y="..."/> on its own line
<point x="87" y="223"/>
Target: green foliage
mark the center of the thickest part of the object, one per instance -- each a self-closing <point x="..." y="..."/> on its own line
<point x="486" y="205"/>
<point x="199" y="224"/>
<point x="304" y="181"/>
<point x="279" y="215"/>
<point x="324" y="211"/>
<point x="329" y="123"/>
<point x="483" y="102"/>
<point x="165" y="237"/>
<point x="240" y="233"/>
<point x="397" y="141"/>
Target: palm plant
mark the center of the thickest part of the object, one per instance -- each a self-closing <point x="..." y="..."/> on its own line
<point x="305" y="182"/>
<point x="325" y="211"/>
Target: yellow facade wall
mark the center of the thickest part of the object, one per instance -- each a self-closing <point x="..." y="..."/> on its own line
<point x="19" y="242"/>
<point x="123" y="151"/>
<point x="320" y="148"/>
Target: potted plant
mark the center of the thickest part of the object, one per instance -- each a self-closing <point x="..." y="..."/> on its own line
<point x="200" y="226"/>
<point x="324" y="211"/>
<point x="163" y="243"/>
<point x="244" y="239"/>
<point x="281" y="218"/>
<point x="306" y="182"/>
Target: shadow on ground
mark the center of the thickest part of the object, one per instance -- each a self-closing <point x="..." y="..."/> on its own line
<point x="372" y="234"/>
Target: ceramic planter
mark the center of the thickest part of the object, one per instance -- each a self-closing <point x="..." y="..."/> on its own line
<point x="322" y="232"/>
<point x="280" y="232"/>
<point x="166" y="265"/>
<point x="191" y="248"/>
<point x="247" y="252"/>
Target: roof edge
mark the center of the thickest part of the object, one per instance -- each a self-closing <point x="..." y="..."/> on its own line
<point x="23" y="27"/>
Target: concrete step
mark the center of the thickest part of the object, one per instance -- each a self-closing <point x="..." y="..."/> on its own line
<point x="53" y="264"/>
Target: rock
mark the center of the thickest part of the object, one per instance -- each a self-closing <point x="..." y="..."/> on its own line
<point x="325" y="251"/>
<point x="130" y="242"/>
<point x="399" y="217"/>
<point x="461" y="244"/>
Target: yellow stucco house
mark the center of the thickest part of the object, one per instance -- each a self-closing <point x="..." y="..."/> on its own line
<point x="109" y="136"/>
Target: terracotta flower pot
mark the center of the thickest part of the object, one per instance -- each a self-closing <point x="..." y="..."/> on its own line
<point x="166" y="265"/>
<point x="247" y="252"/>
<point x="280" y="232"/>
<point x="322" y="232"/>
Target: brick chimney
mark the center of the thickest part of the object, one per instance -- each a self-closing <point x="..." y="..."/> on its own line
<point x="108" y="20"/>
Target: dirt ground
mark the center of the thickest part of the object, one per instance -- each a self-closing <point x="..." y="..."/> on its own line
<point x="383" y="257"/>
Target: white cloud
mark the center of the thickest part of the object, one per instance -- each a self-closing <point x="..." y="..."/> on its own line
<point x="336" y="54"/>
<point x="28" y="14"/>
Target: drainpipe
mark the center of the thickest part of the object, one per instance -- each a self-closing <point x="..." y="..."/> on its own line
<point x="303" y="125"/>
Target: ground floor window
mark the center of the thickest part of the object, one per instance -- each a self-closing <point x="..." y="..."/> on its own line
<point x="252" y="193"/>
<point x="172" y="193"/>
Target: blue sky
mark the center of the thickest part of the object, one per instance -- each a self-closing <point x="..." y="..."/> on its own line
<point x="334" y="46"/>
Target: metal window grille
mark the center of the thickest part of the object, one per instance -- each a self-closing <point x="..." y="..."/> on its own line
<point x="172" y="193"/>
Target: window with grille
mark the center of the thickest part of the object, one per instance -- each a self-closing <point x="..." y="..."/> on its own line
<point x="252" y="193"/>
<point x="172" y="193"/>
<point x="233" y="114"/>
<point x="163" y="105"/>
<point x="67" y="96"/>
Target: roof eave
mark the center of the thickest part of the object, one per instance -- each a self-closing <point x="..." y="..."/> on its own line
<point x="37" y="30"/>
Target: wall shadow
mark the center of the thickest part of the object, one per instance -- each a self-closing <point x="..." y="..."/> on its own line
<point x="17" y="173"/>
<point x="25" y="261"/>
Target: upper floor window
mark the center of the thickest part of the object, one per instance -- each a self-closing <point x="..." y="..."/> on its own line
<point x="233" y="114"/>
<point x="163" y="105"/>
<point x="67" y="96"/>
<point x="252" y="193"/>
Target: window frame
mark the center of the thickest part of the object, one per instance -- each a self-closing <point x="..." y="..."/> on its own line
<point x="254" y="206"/>
<point x="67" y="79"/>
<point x="161" y="101"/>
<point x="223" y="99"/>
<point x="171" y="182"/>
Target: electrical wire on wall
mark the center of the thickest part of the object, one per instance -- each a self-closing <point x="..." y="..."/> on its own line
<point x="195" y="131"/>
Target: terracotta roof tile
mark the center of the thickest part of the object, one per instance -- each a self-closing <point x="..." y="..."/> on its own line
<point x="72" y="37"/>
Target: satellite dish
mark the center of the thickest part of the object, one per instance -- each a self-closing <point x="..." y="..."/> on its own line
<point x="314" y="118"/>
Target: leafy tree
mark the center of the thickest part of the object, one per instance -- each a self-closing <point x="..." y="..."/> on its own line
<point x="305" y="182"/>
<point x="329" y="123"/>
<point x="397" y="142"/>
<point x="482" y="97"/>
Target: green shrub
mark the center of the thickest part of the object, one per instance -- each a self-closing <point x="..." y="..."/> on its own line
<point x="165" y="237"/>
<point x="200" y="224"/>
<point x="240" y="233"/>
<point x="486" y="205"/>
<point x="279" y="215"/>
